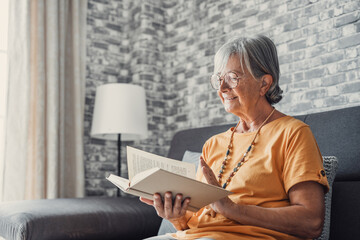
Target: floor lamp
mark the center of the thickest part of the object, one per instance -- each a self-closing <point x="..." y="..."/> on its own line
<point x="119" y="114"/>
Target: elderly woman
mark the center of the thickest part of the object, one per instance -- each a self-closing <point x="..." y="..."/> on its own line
<point x="270" y="161"/>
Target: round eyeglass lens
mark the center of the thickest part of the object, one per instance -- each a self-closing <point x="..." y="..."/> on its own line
<point x="215" y="82"/>
<point x="231" y="79"/>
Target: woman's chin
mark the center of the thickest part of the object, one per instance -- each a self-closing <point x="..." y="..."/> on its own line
<point x="230" y="108"/>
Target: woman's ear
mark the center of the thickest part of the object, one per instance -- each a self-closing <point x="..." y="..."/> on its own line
<point x="266" y="82"/>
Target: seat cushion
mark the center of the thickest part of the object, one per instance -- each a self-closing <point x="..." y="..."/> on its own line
<point x="191" y="157"/>
<point x="345" y="220"/>
<point x="81" y="218"/>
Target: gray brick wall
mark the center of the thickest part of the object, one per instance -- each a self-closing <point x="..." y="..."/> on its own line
<point x="167" y="46"/>
<point x="108" y="54"/>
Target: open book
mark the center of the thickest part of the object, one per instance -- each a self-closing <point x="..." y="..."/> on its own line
<point x="150" y="173"/>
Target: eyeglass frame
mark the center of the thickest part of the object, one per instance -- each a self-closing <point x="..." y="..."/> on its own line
<point x="220" y="79"/>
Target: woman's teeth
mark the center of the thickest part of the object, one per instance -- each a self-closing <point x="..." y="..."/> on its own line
<point x="230" y="98"/>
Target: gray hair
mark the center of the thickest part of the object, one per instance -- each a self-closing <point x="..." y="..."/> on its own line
<point x="259" y="56"/>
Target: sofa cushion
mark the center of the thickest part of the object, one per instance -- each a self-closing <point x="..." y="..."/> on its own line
<point x="166" y="227"/>
<point x="345" y="220"/>
<point x="330" y="166"/>
<point x="80" y="218"/>
<point x="191" y="157"/>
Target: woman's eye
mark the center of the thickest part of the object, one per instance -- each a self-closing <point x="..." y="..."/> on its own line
<point x="232" y="75"/>
<point x="234" y="80"/>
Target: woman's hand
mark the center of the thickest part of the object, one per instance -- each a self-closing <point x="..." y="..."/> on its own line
<point x="174" y="211"/>
<point x="223" y="203"/>
<point x="168" y="209"/>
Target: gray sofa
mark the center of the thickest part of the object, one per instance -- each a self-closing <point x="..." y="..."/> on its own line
<point x="337" y="133"/>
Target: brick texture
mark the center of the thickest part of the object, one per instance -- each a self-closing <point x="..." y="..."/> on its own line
<point x="167" y="46"/>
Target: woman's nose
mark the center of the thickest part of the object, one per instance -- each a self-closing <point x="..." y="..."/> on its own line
<point x="224" y="86"/>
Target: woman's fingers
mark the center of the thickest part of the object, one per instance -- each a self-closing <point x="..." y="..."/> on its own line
<point x="147" y="201"/>
<point x="158" y="205"/>
<point x="185" y="206"/>
<point x="168" y="205"/>
<point x="177" y="204"/>
<point x="208" y="173"/>
<point x="170" y="208"/>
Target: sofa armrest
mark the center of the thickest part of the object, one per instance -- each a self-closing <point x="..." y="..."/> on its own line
<point x="79" y="218"/>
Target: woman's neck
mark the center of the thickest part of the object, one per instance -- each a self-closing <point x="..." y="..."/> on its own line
<point x="252" y="122"/>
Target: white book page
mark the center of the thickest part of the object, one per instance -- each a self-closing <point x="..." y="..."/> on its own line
<point x="140" y="176"/>
<point x="139" y="161"/>
<point x="120" y="182"/>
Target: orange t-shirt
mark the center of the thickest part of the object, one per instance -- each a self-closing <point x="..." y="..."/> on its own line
<point x="285" y="153"/>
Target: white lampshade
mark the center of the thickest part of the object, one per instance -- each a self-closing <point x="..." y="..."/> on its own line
<point x="119" y="109"/>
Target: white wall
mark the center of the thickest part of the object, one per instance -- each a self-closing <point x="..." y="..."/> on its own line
<point x="4" y="6"/>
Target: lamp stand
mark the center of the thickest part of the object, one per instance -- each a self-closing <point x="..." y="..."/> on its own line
<point x="119" y="160"/>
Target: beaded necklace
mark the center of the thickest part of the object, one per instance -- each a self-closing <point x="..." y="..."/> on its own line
<point x="242" y="160"/>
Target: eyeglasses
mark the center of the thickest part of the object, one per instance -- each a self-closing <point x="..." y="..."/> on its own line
<point x="231" y="80"/>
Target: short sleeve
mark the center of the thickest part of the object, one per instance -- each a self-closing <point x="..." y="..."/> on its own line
<point x="303" y="161"/>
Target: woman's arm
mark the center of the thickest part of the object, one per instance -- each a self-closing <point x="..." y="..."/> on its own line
<point x="304" y="217"/>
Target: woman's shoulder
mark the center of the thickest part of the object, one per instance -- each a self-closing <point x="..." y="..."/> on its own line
<point x="287" y="125"/>
<point x="290" y="122"/>
<point x="220" y="136"/>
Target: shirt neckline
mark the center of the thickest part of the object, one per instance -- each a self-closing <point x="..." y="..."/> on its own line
<point x="229" y="131"/>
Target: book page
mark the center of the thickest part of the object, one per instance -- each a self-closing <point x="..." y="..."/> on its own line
<point x="142" y="175"/>
<point x="139" y="161"/>
<point x="120" y="182"/>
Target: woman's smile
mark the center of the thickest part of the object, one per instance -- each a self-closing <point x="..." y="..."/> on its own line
<point x="230" y="98"/>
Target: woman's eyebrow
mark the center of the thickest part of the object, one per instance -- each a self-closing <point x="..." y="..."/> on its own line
<point x="234" y="71"/>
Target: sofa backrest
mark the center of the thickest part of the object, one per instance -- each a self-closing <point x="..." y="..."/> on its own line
<point x="337" y="133"/>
